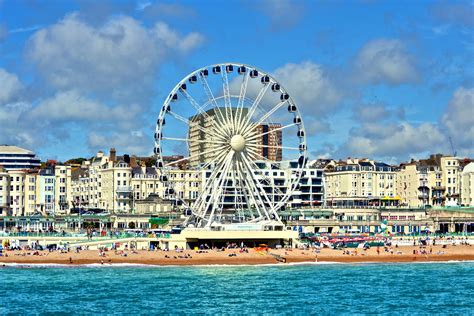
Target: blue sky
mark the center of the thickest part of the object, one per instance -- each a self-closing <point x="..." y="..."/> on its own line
<point x="390" y="80"/>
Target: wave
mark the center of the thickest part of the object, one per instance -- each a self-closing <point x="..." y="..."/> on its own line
<point x="143" y="265"/>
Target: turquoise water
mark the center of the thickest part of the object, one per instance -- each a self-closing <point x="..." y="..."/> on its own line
<point x="428" y="288"/>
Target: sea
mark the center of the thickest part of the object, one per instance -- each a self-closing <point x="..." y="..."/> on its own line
<point x="294" y="289"/>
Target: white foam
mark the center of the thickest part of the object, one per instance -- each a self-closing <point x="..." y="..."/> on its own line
<point x="142" y="265"/>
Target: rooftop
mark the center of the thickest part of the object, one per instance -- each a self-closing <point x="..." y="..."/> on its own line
<point x="7" y="149"/>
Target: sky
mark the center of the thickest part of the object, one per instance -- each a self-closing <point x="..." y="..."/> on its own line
<point x="388" y="80"/>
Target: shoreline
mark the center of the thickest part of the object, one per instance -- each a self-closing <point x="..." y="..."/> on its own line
<point x="234" y="257"/>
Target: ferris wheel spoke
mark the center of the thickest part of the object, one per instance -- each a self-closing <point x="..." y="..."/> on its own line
<point x="213" y="161"/>
<point x="270" y="146"/>
<point x="237" y="190"/>
<point x="269" y="181"/>
<point x="263" y="193"/>
<point x="193" y="102"/>
<point x="218" y="188"/>
<point x="212" y="99"/>
<point x="227" y="101"/>
<point x="209" y="189"/>
<point x="214" y="132"/>
<point x="246" y="185"/>
<point x="252" y="109"/>
<point x="240" y="103"/>
<point x="265" y="116"/>
<point x="258" y="190"/>
<point x="194" y="140"/>
<point x="244" y="188"/>
<point x="252" y="137"/>
<point x="190" y="157"/>
<point x="219" y="160"/>
<point x="223" y="189"/>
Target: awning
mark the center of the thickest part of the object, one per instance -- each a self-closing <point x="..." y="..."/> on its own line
<point x="388" y="198"/>
<point x="158" y="221"/>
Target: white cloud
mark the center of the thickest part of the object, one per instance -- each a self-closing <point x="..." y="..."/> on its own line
<point x="310" y="86"/>
<point x="385" y="61"/>
<point x="459" y="119"/>
<point x="122" y="53"/>
<point x="132" y="142"/>
<point x="376" y="111"/>
<point x="10" y="86"/>
<point x="70" y="106"/>
<point x="400" y="140"/>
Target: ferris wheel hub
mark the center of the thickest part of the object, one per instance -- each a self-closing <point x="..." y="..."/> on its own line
<point x="237" y="143"/>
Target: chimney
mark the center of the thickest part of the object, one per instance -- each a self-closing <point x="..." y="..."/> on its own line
<point x="113" y="154"/>
<point x="133" y="161"/>
<point x="126" y="158"/>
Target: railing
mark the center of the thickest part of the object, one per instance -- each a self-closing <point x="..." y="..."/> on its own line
<point x="119" y="235"/>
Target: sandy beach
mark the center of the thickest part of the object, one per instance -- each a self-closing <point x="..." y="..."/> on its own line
<point x="235" y="257"/>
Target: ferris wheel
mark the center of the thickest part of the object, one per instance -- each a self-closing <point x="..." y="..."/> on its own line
<point x="239" y="132"/>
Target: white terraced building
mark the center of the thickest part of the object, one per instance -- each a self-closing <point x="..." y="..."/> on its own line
<point x="16" y="158"/>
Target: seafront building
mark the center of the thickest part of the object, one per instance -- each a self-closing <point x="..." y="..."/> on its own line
<point x="360" y="183"/>
<point x="13" y="157"/>
<point x="435" y="181"/>
<point x="467" y="185"/>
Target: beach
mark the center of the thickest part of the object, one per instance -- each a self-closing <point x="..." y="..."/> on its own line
<point x="236" y="257"/>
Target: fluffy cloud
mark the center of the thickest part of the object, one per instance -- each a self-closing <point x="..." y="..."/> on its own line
<point x="385" y="61"/>
<point x="10" y="85"/>
<point x="376" y="112"/>
<point x="133" y="142"/>
<point x="386" y="135"/>
<point x="398" y="140"/>
<point x="310" y="86"/>
<point x="121" y="53"/>
<point x="14" y="130"/>
<point x="459" y="119"/>
<point x="72" y="107"/>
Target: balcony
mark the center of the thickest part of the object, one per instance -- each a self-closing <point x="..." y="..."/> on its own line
<point x="438" y="188"/>
<point x="123" y="189"/>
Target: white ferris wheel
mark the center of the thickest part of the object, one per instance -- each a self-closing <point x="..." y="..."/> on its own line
<point x="237" y="128"/>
